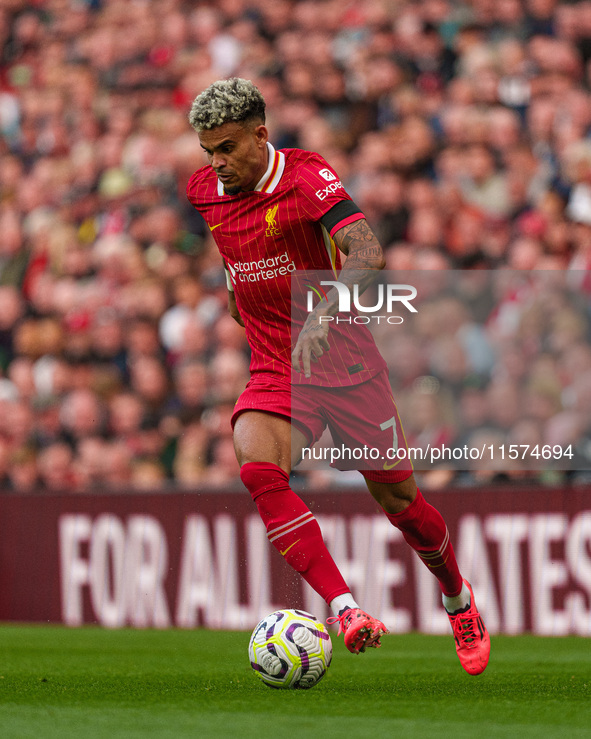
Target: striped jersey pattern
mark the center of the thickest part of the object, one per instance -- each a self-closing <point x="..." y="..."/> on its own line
<point x="267" y="237"/>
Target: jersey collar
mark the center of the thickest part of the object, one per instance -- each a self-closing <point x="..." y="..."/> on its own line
<point x="272" y="176"/>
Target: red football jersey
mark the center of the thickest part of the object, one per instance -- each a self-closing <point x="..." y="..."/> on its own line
<point x="268" y="235"/>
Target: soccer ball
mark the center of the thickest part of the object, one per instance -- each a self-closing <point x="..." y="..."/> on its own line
<point x="290" y="649"/>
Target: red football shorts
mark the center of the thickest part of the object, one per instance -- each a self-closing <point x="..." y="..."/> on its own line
<point x="362" y="419"/>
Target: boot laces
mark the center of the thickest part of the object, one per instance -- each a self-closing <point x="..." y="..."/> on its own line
<point x="343" y="620"/>
<point x="465" y="629"/>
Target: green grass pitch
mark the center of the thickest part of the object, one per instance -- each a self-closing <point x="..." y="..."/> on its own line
<point x="91" y="683"/>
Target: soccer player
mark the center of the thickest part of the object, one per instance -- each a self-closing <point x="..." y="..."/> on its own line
<point x="273" y="214"/>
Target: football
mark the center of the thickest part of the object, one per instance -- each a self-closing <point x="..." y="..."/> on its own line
<point x="290" y="649"/>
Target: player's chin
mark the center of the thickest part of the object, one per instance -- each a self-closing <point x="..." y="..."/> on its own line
<point x="231" y="184"/>
<point x="232" y="189"/>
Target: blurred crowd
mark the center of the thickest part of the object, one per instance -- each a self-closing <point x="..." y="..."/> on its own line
<point x="460" y="128"/>
<point x="495" y="364"/>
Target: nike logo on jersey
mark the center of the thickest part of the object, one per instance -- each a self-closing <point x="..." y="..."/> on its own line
<point x="212" y="228"/>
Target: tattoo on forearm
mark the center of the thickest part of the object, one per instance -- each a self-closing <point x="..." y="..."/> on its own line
<point x="358" y="231"/>
<point x="361" y="246"/>
<point x="365" y="257"/>
<point x="364" y="260"/>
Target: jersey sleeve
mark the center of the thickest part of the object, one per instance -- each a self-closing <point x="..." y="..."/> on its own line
<point x="195" y="188"/>
<point x="191" y="189"/>
<point x="320" y="190"/>
<point x="341" y="214"/>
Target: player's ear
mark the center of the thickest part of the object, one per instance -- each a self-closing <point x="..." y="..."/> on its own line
<point x="262" y="135"/>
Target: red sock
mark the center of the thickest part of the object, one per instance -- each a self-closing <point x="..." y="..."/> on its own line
<point x="424" y="529"/>
<point x="292" y="529"/>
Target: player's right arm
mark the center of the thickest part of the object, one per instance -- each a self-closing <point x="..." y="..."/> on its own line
<point x="199" y="196"/>
<point x="232" y="307"/>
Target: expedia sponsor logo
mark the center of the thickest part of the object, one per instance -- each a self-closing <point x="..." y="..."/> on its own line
<point x="268" y="268"/>
<point x="327" y="174"/>
<point x="324" y="192"/>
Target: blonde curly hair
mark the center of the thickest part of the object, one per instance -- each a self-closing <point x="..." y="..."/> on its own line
<point x="234" y="100"/>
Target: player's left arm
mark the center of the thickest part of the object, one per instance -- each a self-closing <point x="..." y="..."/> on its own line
<point x="364" y="260"/>
<point x="365" y="257"/>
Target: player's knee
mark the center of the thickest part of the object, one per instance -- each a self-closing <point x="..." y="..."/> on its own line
<point x="263" y="477"/>
<point x="394" y="497"/>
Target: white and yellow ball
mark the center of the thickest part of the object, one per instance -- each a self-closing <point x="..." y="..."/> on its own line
<point x="290" y="649"/>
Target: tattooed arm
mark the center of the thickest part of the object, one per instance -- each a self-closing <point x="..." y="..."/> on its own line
<point x="364" y="255"/>
<point x="364" y="260"/>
